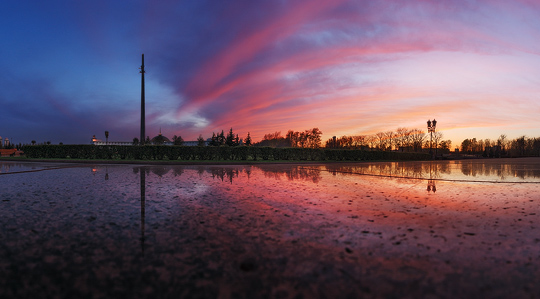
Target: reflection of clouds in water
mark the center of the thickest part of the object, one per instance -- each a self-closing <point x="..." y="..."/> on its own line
<point x="196" y="190"/>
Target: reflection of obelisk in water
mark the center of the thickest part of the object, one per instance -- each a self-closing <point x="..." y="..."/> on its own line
<point x="142" y="173"/>
<point x="142" y="103"/>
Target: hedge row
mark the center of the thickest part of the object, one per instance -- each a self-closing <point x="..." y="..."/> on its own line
<point x="210" y="153"/>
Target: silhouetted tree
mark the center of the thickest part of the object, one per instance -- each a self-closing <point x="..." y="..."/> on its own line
<point x="371" y="140"/>
<point x="213" y="140"/>
<point x="518" y="146"/>
<point x="466" y="146"/>
<point x="221" y="138"/>
<point x="229" y="140"/>
<point x="302" y="138"/>
<point x="248" y="140"/>
<point x="359" y="141"/>
<point x="314" y="138"/>
<point x="380" y="137"/>
<point x="417" y="139"/>
<point x="390" y="136"/>
<point x="292" y="138"/>
<point x="437" y="137"/>
<point x="135" y="141"/>
<point x="502" y="142"/>
<point x="445" y="145"/>
<point x="106" y="137"/>
<point x="401" y="134"/>
<point x="178" y="140"/>
<point x="200" y="141"/>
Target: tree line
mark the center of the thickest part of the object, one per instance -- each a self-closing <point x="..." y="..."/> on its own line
<point x="522" y="146"/>
<point x="403" y="139"/>
<point x="303" y="139"/>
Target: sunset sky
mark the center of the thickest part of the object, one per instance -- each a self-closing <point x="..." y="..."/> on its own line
<point x="70" y="68"/>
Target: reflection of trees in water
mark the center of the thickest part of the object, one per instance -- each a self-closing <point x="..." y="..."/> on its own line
<point x="404" y="172"/>
<point x="201" y="170"/>
<point x="293" y="173"/>
<point x="160" y="171"/>
<point x="178" y="171"/>
<point x="394" y="169"/>
<point x="273" y="172"/>
<point x="141" y="169"/>
<point x="223" y="173"/>
<point x="499" y="169"/>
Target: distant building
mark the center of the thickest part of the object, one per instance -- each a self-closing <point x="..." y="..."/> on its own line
<point x="4" y="142"/>
<point x="96" y="141"/>
<point x="159" y="139"/>
<point x="193" y="143"/>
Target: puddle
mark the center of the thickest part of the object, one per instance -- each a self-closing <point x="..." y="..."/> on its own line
<point x="440" y="228"/>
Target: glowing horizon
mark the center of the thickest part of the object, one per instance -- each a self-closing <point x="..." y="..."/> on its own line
<point x="346" y="67"/>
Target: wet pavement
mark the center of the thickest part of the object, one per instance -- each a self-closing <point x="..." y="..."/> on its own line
<point x="381" y="230"/>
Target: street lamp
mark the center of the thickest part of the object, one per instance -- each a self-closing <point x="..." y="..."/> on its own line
<point x="431" y="129"/>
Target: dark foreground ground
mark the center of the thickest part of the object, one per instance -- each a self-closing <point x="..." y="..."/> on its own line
<point x="270" y="231"/>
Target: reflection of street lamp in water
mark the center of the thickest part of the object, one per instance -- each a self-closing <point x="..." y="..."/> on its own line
<point x="431" y="181"/>
<point x="431" y="186"/>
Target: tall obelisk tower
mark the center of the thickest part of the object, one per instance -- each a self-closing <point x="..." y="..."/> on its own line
<point x="142" y="103"/>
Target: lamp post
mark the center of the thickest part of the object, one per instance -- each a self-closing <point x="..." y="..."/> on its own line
<point x="142" y="141"/>
<point x="431" y="129"/>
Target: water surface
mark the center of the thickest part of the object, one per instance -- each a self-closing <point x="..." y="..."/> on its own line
<point x="360" y="229"/>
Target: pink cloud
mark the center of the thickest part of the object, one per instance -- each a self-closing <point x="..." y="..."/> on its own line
<point x="215" y="71"/>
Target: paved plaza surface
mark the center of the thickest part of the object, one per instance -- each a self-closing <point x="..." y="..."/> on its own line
<point x="452" y="229"/>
